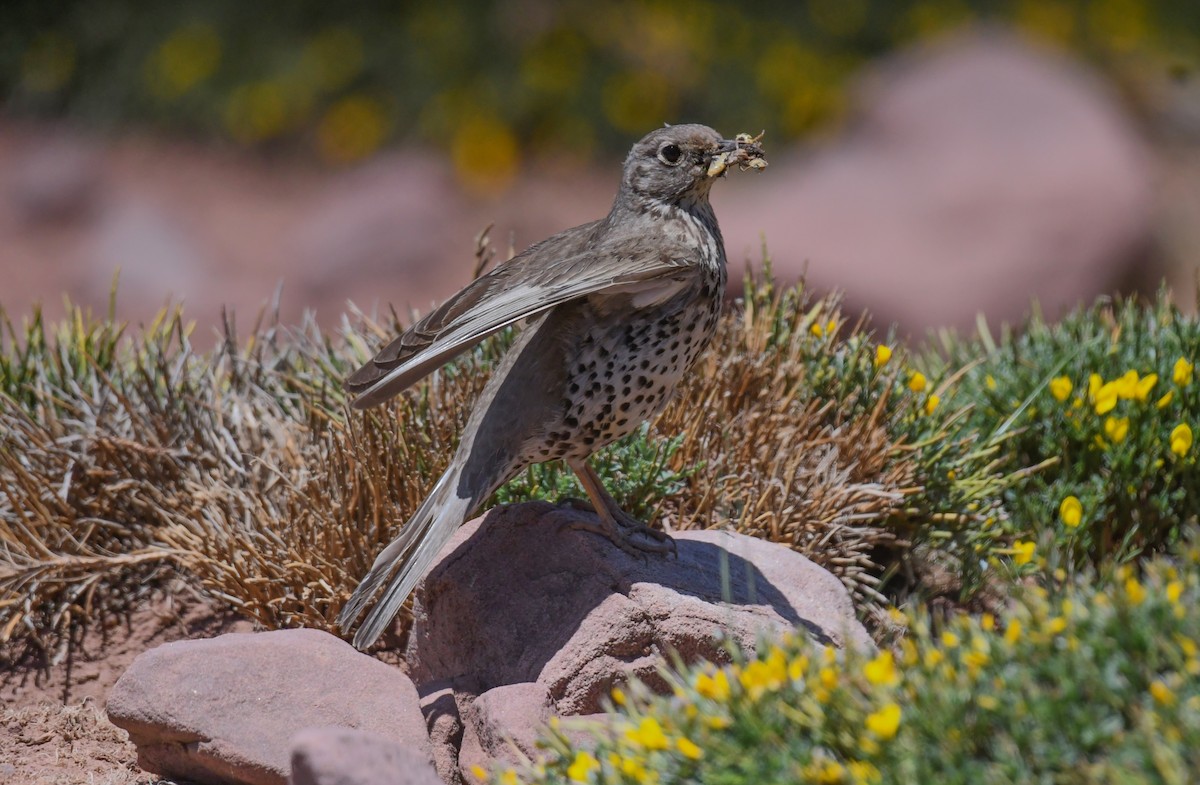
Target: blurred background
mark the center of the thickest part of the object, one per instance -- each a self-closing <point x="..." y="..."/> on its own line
<point x="932" y="158"/>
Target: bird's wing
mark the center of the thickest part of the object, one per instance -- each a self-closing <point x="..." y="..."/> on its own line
<point x="522" y="287"/>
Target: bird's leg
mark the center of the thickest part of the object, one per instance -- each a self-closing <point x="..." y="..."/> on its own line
<point x="626" y="532"/>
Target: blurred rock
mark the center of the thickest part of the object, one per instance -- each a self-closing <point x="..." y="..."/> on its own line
<point x="391" y="220"/>
<point x="977" y="175"/>
<point x="576" y="615"/>
<point x="344" y="756"/>
<point x="56" y="180"/>
<point x="226" y="709"/>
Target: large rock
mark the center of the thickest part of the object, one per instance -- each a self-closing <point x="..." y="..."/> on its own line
<point x="225" y="710"/>
<point x="976" y="175"/>
<point x="517" y="598"/>
<point x="344" y="756"/>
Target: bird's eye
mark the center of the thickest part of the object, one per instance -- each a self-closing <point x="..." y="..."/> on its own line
<point x="670" y="154"/>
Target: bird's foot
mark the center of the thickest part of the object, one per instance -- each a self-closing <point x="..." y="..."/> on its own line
<point x="626" y="532"/>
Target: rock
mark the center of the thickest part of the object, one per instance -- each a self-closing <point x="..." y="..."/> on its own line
<point x="601" y="615"/>
<point x="500" y="719"/>
<point x="58" y="180"/>
<point x="976" y="174"/>
<point x="344" y="756"/>
<point x="225" y="709"/>
<point x="439" y="704"/>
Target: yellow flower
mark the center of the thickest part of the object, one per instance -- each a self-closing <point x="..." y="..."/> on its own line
<point x="1116" y="428"/>
<point x="885" y="722"/>
<point x="933" y="657"/>
<point x="1181" y="439"/>
<point x="1182" y="372"/>
<point x="1127" y="384"/>
<point x="797" y="668"/>
<point x="988" y="702"/>
<point x="987" y="621"/>
<point x="1056" y="625"/>
<point x="618" y="696"/>
<point x="863" y="773"/>
<point x="1060" y="388"/>
<point x="1144" y="386"/>
<point x="1023" y="552"/>
<point x="479" y="772"/>
<point x="689" y="749"/>
<point x="714" y="687"/>
<point x="883" y="353"/>
<point x="917" y="382"/>
<point x="881" y="671"/>
<point x="1012" y="633"/>
<point x="990" y="381"/>
<point x="1105" y="398"/>
<point x="1163" y="695"/>
<point x="1165" y="401"/>
<point x="509" y="777"/>
<point x="1135" y="591"/>
<point x="825" y="771"/>
<point x="1174" y="591"/>
<point x="931" y="403"/>
<point x="582" y="767"/>
<point x="648" y="734"/>
<point x="1071" y="511"/>
<point x="949" y="639"/>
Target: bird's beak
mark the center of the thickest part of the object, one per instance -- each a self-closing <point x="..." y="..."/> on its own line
<point x="743" y="150"/>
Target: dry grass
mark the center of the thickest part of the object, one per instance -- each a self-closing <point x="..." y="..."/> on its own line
<point x="123" y="459"/>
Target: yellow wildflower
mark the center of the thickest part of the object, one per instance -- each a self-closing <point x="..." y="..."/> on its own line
<point x="716" y="721"/>
<point x="1105" y="399"/>
<point x="509" y="777"/>
<point x="949" y="639"/>
<point x="885" y="722"/>
<point x="931" y="403"/>
<point x="1144" y="386"/>
<point x="1163" y="695"/>
<point x="1060" y="388"/>
<point x="1174" y="591"/>
<point x="933" y="657"/>
<point x="828" y="677"/>
<point x="863" y="773"/>
<point x="990" y="381"/>
<point x="1071" y="511"/>
<point x="825" y="771"/>
<point x="1165" y="401"/>
<point x="797" y="668"/>
<point x="715" y="687"/>
<point x="1023" y="552"/>
<point x="1127" y="385"/>
<point x="633" y="768"/>
<point x="881" y="671"/>
<point x="1056" y="625"/>
<point x="618" y="696"/>
<point x="1135" y="591"/>
<point x="648" y="734"/>
<point x="1181" y="374"/>
<point x="479" y="772"/>
<point x="1181" y="439"/>
<point x="583" y="765"/>
<point x="883" y="353"/>
<point x="917" y="382"/>
<point x="689" y="749"/>
<point x="1095" y="382"/>
<point x="1116" y="428"/>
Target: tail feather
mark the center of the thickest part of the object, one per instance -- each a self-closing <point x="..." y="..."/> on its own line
<point x="405" y="561"/>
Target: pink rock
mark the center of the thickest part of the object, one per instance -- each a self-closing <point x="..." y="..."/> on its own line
<point x="439" y="704"/>
<point x="503" y="724"/>
<point x="978" y="174"/>
<point x="225" y="709"/>
<point x="344" y="756"/>
<point x="516" y="598"/>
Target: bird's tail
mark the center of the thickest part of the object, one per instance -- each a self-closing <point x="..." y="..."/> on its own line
<point x="406" y="560"/>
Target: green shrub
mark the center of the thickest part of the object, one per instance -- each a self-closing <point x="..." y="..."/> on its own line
<point x="1084" y="685"/>
<point x="1106" y="401"/>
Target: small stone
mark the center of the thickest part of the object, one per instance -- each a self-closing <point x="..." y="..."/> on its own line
<point x="344" y="756"/>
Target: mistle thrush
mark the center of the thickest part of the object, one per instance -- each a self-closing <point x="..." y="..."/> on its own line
<point x="616" y="312"/>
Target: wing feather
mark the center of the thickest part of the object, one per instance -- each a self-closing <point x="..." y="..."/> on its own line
<point x="517" y="290"/>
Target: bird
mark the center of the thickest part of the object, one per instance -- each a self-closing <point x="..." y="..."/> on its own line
<point x="615" y="312"/>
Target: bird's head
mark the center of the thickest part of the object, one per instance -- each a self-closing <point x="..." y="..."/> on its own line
<point x="679" y="163"/>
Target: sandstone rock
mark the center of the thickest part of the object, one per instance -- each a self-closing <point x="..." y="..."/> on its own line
<point x="224" y="710"/>
<point x="344" y="756"/>
<point x="503" y="724"/>
<point x="439" y="704"/>
<point x="976" y="175"/>
<point x="528" y="601"/>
